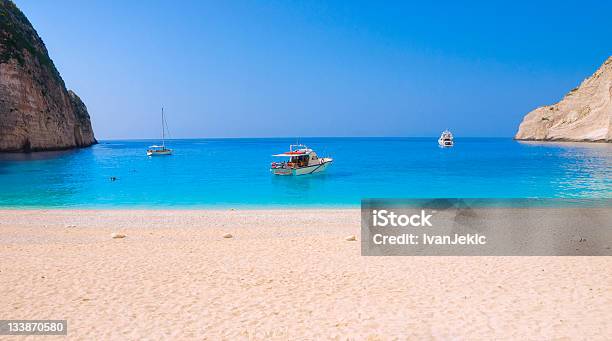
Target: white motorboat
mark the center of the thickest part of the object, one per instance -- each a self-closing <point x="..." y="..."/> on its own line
<point x="156" y="150"/>
<point x="302" y="161"/>
<point x="446" y="139"/>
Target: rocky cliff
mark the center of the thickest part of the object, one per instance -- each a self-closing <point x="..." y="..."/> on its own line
<point x="584" y="114"/>
<point x="37" y="112"/>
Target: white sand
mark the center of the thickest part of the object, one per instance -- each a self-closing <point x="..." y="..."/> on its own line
<point x="285" y="274"/>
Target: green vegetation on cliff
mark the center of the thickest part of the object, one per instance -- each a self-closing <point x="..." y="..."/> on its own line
<point x="17" y="36"/>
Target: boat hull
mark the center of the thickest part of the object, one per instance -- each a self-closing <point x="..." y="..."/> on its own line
<point x="301" y="171"/>
<point x="159" y="153"/>
<point x="445" y="143"/>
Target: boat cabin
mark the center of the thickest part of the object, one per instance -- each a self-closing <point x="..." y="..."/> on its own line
<point x="303" y="160"/>
<point x="299" y="156"/>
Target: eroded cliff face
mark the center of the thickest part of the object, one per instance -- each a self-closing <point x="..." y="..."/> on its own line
<point x="37" y="112"/>
<point x="584" y="114"/>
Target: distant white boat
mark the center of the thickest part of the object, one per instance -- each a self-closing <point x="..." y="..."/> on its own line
<point x="302" y="161"/>
<point x="156" y="150"/>
<point x="446" y="139"/>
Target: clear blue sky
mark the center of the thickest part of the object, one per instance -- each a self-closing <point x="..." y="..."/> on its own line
<point x="320" y="68"/>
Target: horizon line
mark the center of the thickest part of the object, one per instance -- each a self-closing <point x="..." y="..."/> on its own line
<point x="285" y="137"/>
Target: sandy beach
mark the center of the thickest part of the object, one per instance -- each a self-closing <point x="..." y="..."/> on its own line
<point x="285" y="274"/>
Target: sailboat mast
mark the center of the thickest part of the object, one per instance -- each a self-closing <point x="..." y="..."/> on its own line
<point x="163" y="130"/>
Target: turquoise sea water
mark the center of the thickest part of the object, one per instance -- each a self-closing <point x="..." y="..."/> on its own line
<point x="234" y="173"/>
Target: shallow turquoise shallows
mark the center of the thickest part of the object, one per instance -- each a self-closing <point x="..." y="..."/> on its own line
<point x="235" y="172"/>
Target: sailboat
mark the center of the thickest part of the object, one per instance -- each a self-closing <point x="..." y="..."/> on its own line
<point x="160" y="150"/>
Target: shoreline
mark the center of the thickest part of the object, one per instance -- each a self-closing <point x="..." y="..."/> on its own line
<point x="184" y="208"/>
<point x="482" y="202"/>
<point x="284" y="274"/>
